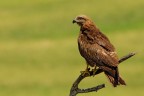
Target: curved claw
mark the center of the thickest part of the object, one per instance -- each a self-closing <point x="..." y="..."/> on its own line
<point x="86" y="72"/>
<point x="94" y="71"/>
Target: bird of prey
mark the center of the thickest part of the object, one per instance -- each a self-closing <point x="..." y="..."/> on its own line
<point x="97" y="50"/>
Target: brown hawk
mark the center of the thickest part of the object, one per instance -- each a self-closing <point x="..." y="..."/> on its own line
<point x="97" y="50"/>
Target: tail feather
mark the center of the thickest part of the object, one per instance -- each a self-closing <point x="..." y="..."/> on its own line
<point x="111" y="79"/>
<point x="121" y="81"/>
<point x="114" y="77"/>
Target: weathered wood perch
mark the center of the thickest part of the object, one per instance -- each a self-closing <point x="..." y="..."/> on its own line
<point x="75" y="90"/>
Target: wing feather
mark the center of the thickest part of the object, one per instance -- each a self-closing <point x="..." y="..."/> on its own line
<point x="101" y="56"/>
<point x="104" y="42"/>
<point x="96" y="47"/>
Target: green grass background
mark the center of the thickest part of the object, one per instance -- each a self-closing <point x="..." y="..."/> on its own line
<point x="38" y="45"/>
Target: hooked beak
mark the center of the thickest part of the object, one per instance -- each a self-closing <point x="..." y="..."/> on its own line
<point x="74" y="21"/>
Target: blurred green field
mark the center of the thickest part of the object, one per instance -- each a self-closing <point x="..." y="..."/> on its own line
<point x="38" y="45"/>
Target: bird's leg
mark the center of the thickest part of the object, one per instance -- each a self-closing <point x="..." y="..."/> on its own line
<point x="94" y="70"/>
<point x="86" y="71"/>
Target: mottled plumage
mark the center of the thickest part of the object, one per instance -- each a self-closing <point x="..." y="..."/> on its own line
<point x="97" y="50"/>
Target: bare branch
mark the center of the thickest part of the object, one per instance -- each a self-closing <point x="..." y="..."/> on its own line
<point x="91" y="89"/>
<point x="75" y="90"/>
<point x="126" y="57"/>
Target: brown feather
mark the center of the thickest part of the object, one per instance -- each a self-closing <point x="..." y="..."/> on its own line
<point x="97" y="50"/>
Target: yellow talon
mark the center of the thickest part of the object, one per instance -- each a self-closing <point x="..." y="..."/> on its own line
<point x="94" y="70"/>
<point x="86" y="71"/>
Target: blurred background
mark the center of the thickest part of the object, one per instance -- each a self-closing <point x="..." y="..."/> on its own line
<point x="38" y="45"/>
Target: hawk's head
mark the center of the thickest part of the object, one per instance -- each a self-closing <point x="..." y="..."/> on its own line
<point x="81" y="20"/>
